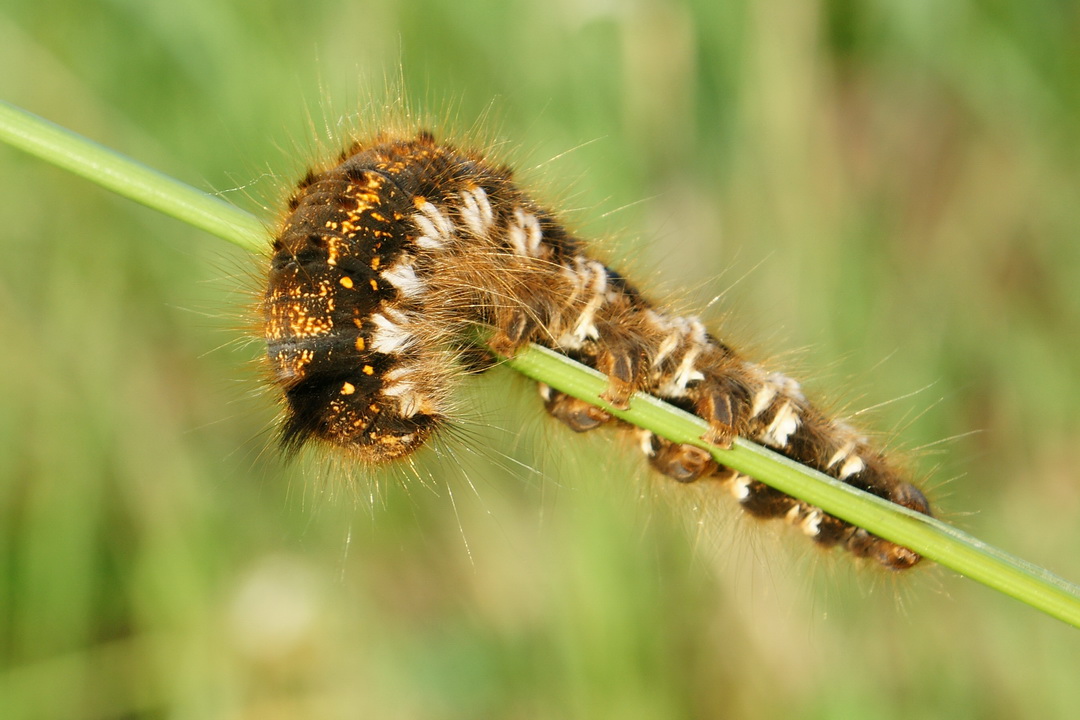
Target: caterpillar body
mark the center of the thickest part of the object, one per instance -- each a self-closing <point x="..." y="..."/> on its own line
<point x="387" y="261"/>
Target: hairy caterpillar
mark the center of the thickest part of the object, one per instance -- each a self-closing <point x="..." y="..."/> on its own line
<point x="387" y="260"/>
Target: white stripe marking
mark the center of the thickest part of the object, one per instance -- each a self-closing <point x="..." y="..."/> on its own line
<point x="670" y="341"/>
<point x="687" y="373"/>
<point x="389" y="335"/>
<point x="586" y="325"/>
<point x="442" y="223"/>
<point x="852" y="466"/>
<point x="790" y="388"/>
<point x="841" y="454"/>
<point x="477" y="211"/>
<point x="403" y="277"/>
<point x="762" y="399"/>
<point x="524" y="233"/>
<point x="783" y="424"/>
<point x="409" y="400"/>
<point x="435" y="228"/>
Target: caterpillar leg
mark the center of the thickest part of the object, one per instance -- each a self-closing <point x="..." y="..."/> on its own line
<point x="513" y="330"/>
<point x="684" y="463"/>
<point x="889" y="554"/>
<point x="760" y="500"/>
<point x="578" y="414"/>
<point x="622" y="363"/>
<point x="724" y="403"/>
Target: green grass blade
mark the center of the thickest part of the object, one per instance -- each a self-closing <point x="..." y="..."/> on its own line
<point x="133" y="180"/>
<point x="942" y="543"/>
<point x="927" y="536"/>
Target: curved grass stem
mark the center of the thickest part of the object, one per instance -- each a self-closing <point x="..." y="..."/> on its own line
<point x="927" y="536"/>
<point x="129" y="178"/>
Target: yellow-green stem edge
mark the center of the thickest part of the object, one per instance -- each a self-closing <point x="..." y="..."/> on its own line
<point x="929" y="537"/>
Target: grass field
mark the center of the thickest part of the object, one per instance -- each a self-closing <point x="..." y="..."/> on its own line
<point x="883" y="194"/>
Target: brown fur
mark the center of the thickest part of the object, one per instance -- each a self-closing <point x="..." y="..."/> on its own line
<point x="389" y="261"/>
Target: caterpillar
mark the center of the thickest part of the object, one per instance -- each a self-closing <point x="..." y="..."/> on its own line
<point x="386" y="262"/>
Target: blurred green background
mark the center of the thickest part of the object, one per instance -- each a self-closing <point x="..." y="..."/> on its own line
<point x="887" y="194"/>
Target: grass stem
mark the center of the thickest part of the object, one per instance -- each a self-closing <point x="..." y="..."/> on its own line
<point x="932" y="538"/>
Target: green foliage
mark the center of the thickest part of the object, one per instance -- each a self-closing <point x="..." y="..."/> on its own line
<point x="894" y="185"/>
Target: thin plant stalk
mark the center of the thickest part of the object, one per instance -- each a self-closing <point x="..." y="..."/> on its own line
<point x="927" y="536"/>
<point x="129" y="178"/>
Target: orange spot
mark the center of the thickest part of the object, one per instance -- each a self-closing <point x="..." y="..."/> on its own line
<point x="348" y="389"/>
<point x="346" y="282"/>
<point x="374" y="285"/>
<point x="368" y="370"/>
<point x="360" y="344"/>
<point x="375" y="262"/>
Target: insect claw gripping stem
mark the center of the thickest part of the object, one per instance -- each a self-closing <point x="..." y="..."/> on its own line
<point x="578" y="415"/>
